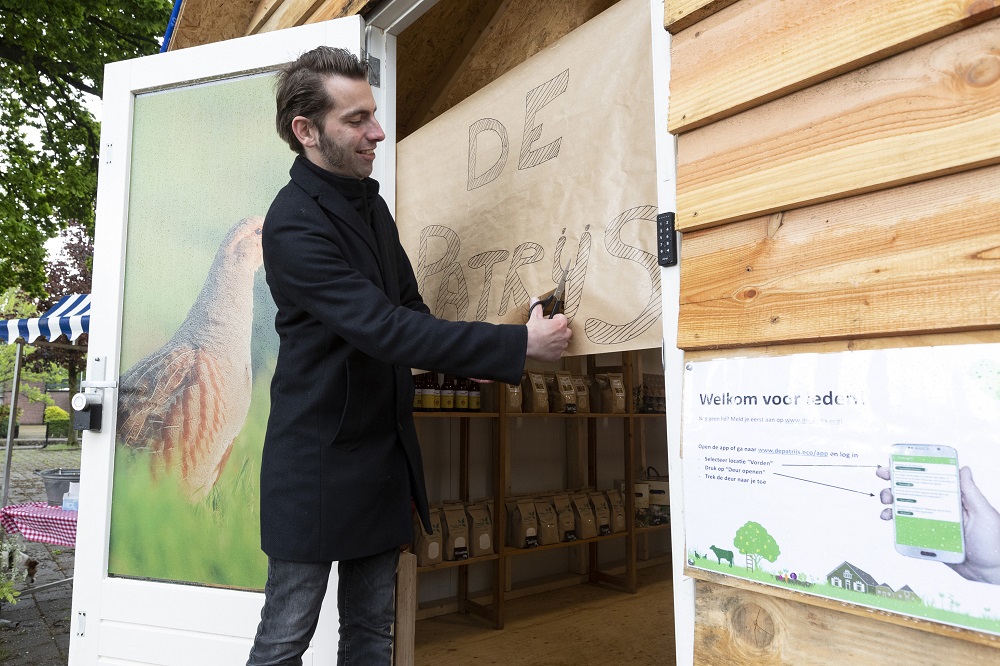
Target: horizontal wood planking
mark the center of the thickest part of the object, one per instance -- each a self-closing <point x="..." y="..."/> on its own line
<point x="740" y="622"/>
<point x="679" y="14"/>
<point x="759" y="50"/>
<point x="915" y="259"/>
<point x="924" y="113"/>
<point x="896" y="342"/>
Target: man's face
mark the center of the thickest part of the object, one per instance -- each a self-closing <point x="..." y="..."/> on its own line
<point x="348" y="133"/>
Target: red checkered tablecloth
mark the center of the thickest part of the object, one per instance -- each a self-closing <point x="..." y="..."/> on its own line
<point x="38" y="521"/>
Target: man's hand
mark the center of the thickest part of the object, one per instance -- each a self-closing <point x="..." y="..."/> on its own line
<point x="547" y="338"/>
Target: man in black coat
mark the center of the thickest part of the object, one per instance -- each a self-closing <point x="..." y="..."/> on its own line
<point x="341" y="464"/>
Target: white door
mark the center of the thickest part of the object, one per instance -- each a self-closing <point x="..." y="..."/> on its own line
<point x="168" y="563"/>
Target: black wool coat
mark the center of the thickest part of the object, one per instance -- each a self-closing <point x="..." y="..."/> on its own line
<point x="341" y="460"/>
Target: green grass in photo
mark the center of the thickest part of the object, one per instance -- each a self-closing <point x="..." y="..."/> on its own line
<point x="939" y="608"/>
<point x="156" y="533"/>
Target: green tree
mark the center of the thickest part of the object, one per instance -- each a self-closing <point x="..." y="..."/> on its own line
<point x="52" y="57"/>
<point x="14" y="305"/>
<point x="69" y="272"/>
<point x="754" y="541"/>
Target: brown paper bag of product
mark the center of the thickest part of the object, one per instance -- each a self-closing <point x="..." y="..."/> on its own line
<point x="602" y="393"/>
<point x="616" y="503"/>
<point x="523" y="524"/>
<point x="548" y="521"/>
<point x="659" y="497"/>
<point x="561" y="392"/>
<point x="582" y="386"/>
<point x="564" y="514"/>
<point x="455" y="532"/>
<point x="427" y="547"/>
<point x="602" y="514"/>
<point x="612" y="385"/>
<point x="642" y="514"/>
<point x="586" y="526"/>
<point x="480" y="530"/>
<point x="535" y="397"/>
<point x="512" y="396"/>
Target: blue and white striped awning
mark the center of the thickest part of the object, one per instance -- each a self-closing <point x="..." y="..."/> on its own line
<point x="69" y="317"/>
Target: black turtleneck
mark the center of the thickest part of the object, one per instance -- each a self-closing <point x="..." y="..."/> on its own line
<point x="359" y="192"/>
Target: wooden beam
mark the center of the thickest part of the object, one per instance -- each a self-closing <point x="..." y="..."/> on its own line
<point x="924" y="113"/>
<point x="680" y="14"/>
<point x="280" y="14"/>
<point x="290" y="13"/>
<point x="262" y="14"/>
<point x="750" y="623"/>
<point x="895" y="342"/>
<point x="446" y="76"/>
<point x="404" y="628"/>
<point x="760" y="50"/>
<point x="208" y="21"/>
<point x="916" y="259"/>
<point x="333" y="9"/>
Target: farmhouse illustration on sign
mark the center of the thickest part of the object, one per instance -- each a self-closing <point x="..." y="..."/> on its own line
<point x="874" y="471"/>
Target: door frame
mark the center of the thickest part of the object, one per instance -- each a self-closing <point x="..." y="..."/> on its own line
<point x="120" y="620"/>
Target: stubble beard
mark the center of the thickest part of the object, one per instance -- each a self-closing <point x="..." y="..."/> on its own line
<point x="336" y="158"/>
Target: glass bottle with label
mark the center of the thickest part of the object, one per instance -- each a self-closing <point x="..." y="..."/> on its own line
<point x="418" y="393"/>
<point x="475" y="396"/>
<point x="448" y="394"/>
<point x="428" y="393"/>
<point x="435" y="392"/>
<point x="462" y="395"/>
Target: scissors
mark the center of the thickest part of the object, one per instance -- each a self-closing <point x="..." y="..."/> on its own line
<point x="554" y="301"/>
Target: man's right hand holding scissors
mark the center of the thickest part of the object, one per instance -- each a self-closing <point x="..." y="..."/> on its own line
<point x="549" y="337"/>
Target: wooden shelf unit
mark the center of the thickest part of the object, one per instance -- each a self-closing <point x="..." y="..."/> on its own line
<point x="489" y="603"/>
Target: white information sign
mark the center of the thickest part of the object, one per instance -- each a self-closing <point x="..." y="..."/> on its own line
<point x="869" y="477"/>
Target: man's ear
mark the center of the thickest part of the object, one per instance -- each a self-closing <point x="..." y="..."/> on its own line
<point x="305" y="131"/>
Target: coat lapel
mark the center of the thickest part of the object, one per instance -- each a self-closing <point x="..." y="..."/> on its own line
<point x="331" y="201"/>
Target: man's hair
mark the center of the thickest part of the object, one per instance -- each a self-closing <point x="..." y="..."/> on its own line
<point x="300" y="89"/>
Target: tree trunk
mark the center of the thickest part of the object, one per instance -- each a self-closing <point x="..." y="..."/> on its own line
<point x="74" y="374"/>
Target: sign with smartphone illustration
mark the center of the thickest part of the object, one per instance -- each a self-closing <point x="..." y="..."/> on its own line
<point x="868" y="477"/>
<point x="927" y="502"/>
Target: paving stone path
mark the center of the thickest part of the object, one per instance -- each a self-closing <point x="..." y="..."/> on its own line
<point x="40" y="636"/>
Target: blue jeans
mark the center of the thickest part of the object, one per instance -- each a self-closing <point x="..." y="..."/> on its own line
<point x="292" y="598"/>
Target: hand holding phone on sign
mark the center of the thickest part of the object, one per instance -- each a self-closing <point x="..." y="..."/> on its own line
<point x="939" y="513"/>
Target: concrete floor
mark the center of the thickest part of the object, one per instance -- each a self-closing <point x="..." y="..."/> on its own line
<point x="583" y="625"/>
<point x="41" y="619"/>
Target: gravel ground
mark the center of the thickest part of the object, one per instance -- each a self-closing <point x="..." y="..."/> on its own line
<point x="39" y="635"/>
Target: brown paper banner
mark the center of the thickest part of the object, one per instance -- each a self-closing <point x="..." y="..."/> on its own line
<point x="552" y="163"/>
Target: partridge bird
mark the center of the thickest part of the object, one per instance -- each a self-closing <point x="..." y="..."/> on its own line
<point x="188" y="400"/>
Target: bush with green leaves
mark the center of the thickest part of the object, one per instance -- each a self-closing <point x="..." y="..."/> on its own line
<point x="12" y="570"/>
<point x="57" y="419"/>
<point x="5" y="417"/>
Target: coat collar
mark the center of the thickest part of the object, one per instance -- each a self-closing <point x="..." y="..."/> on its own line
<point x="331" y="200"/>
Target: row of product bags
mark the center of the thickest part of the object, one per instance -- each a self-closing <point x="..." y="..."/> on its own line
<point x="460" y="531"/>
<point x="565" y="393"/>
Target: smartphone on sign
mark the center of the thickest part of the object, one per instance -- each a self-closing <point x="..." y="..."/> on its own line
<point x="927" y="502"/>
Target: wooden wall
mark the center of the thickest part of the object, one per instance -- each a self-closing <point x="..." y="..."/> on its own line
<point x="838" y="187"/>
